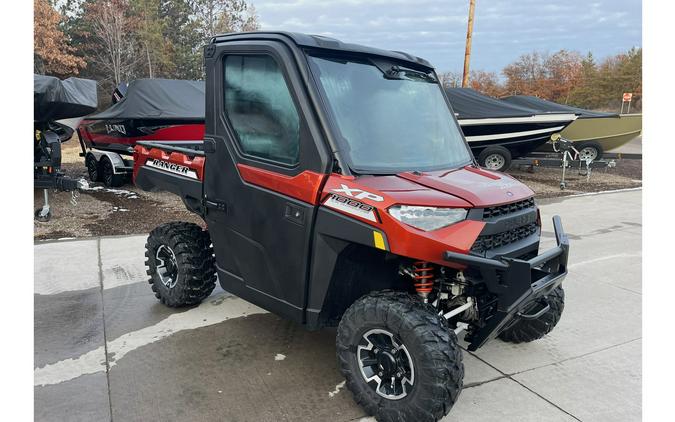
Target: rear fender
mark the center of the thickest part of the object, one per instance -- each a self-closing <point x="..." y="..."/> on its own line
<point x="156" y="169"/>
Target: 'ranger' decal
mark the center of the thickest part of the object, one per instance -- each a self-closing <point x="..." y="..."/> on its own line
<point x="172" y="168"/>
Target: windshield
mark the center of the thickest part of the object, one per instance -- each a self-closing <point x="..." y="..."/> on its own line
<point x="389" y="118"/>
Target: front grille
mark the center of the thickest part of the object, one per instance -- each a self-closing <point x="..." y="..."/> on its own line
<point x="485" y="243"/>
<point x="508" y="208"/>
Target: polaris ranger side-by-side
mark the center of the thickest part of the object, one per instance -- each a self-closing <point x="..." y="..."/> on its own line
<point x="338" y="190"/>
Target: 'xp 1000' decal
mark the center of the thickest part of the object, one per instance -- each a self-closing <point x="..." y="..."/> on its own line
<point x="358" y="193"/>
<point x="351" y="206"/>
<point x="172" y="168"/>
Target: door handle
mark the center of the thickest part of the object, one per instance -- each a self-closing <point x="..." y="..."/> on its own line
<point x="216" y="205"/>
<point x="294" y="214"/>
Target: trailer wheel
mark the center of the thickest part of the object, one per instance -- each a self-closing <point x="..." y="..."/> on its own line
<point x="495" y="158"/>
<point x="180" y="263"/>
<point x="526" y="330"/>
<point x="93" y="168"/>
<point x="590" y="150"/>
<point x="399" y="359"/>
<point x="110" y="179"/>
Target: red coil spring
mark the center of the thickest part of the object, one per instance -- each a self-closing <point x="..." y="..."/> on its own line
<point x="424" y="274"/>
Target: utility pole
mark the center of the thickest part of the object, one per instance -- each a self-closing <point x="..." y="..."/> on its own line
<point x="467" y="52"/>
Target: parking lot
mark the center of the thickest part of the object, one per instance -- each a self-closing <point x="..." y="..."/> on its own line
<point x="105" y="349"/>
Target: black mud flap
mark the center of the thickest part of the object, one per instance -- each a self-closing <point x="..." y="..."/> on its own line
<point x="517" y="283"/>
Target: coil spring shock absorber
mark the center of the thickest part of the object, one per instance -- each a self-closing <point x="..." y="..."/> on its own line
<point x="423" y="275"/>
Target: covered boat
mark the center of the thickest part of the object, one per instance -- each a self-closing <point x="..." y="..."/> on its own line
<point x="150" y="110"/>
<point x="497" y="131"/>
<point x="595" y="132"/>
<point x="55" y="99"/>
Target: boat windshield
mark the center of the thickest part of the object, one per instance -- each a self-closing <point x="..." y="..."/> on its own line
<point x="389" y="119"/>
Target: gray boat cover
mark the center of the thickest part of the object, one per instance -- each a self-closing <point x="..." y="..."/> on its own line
<point x="470" y="104"/>
<point x="54" y="99"/>
<point x="159" y="99"/>
<point x="544" y="106"/>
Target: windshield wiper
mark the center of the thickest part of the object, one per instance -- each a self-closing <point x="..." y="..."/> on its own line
<point x="395" y="72"/>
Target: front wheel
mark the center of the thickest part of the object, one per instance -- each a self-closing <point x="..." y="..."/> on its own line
<point x="93" y="168"/>
<point x="400" y="360"/>
<point x="526" y="330"/>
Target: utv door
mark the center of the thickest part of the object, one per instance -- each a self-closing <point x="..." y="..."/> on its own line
<point x="265" y="167"/>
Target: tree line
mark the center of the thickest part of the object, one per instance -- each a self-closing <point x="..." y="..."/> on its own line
<point x="113" y="41"/>
<point x="565" y="77"/>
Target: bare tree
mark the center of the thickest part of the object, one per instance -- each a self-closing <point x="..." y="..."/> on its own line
<point x="112" y="33"/>
<point x="222" y="16"/>
<point x="450" y="79"/>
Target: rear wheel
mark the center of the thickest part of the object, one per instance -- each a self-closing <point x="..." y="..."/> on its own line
<point x="400" y="360"/>
<point x="180" y="263"/>
<point x="589" y="151"/>
<point x="526" y="330"/>
<point x="93" y="168"/>
<point x="495" y="158"/>
<point x="109" y="177"/>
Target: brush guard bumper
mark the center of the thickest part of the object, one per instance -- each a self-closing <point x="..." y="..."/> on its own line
<point x="517" y="283"/>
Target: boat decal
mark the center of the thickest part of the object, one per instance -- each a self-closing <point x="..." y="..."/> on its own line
<point x="513" y="134"/>
<point x="537" y="118"/>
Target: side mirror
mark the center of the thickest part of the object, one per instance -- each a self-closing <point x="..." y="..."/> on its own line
<point x="555" y="137"/>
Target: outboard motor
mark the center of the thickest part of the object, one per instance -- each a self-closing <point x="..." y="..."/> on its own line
<point x="119" y="92"/>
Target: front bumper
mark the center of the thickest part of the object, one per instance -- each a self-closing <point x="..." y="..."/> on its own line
<point x="516" y="283"/>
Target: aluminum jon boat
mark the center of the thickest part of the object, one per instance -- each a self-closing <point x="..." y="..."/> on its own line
<point x="498" y="131"/>
<point x="594" y="132"/>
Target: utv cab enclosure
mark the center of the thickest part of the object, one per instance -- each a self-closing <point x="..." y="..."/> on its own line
<point x="338" y="190"/>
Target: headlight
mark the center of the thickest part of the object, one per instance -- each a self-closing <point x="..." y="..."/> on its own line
<point x="427" y="218"/>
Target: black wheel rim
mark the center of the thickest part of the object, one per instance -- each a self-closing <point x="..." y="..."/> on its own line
<point x="166" y="266"/>
<point x="385" y="364"/>
<point x="107" y="173"/>
<point x="92" y="168"/>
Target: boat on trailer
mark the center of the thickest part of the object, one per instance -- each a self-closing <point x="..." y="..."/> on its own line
<point x="593" y="132"/>
<point x="158" y="110"/>
<point x="498" y="131"/>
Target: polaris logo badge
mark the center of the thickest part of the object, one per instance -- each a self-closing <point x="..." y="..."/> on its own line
<point x="358" y="193"/>
<point x="351" y="206"/>
<point x="172" y="168"/>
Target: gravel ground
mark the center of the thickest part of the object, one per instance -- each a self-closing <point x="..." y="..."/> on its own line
<point x="129" y="210"/>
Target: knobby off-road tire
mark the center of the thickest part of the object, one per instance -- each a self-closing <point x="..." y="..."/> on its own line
<point x="432" y="348"/>
<point x="189" y="247"/>
<point x="525" y="330"/>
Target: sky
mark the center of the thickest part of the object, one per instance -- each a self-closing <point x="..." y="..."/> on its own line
<point x="436" y="30"/>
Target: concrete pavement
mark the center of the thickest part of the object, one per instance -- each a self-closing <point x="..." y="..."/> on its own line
<point x="106" y="349"/>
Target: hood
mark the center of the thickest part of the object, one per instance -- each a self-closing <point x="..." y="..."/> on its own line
<point x="464" y="187"/>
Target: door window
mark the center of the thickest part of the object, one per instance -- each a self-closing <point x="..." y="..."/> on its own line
<point x="260" y="108"/>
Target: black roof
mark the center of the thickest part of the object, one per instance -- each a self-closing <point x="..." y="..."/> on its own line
<point x="545" y="106"/>
<point x="322" y="42"/>
<point x="159" y="99"/>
